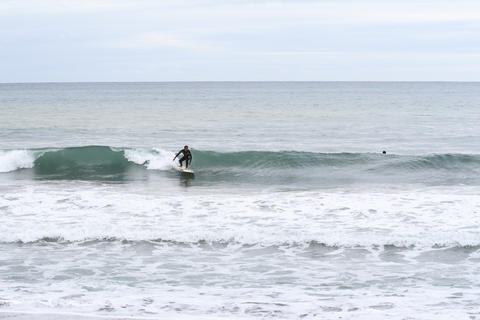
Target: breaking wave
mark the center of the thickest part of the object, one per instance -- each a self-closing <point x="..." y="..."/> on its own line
<point x="104" y="162"/>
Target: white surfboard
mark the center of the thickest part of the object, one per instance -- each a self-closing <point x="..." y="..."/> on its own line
<point x="186" y="170"/>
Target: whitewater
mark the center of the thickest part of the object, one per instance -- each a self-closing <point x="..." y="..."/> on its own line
<point x="293" y="212"/>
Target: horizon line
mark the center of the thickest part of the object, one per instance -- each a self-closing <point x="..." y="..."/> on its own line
<point x="244" y="81"/>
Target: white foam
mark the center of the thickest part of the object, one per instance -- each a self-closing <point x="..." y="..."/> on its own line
<point x="16" y="159"/>
<point x="425" y="219"/>
<point x="29" y="315"/>
<point x="158" y="159"/>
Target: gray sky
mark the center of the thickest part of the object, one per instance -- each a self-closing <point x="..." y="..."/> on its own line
<point x="163" y="40"/>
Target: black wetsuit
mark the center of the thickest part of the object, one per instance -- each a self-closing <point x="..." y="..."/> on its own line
<point x="187" y="157"/>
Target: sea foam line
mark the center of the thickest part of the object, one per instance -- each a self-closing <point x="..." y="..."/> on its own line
<point x="411" y="218"/>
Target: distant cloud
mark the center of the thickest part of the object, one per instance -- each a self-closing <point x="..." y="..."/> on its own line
<point x="153" y="40"/>
<point x="38" y="7"/>
<point x="238" y="39"/>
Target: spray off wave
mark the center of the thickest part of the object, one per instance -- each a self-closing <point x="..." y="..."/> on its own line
<point x="16" y="159"/>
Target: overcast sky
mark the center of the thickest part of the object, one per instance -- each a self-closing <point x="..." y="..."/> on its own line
<point x="182" y="40"/>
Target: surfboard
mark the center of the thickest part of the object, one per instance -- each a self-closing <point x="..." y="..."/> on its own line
<point x="185" y="170"/>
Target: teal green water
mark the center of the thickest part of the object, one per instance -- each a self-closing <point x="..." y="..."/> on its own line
<point x="246" y="168"/>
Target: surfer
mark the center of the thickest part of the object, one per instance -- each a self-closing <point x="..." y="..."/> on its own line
<point x="187" y="157"/>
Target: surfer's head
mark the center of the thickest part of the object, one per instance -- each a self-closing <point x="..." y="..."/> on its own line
<point x="185" y="148"/>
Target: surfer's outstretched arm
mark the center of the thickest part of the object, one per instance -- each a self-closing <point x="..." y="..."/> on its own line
<point x="177" y="154"/>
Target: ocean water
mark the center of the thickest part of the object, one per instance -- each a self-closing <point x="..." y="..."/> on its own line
<point x="293" y="211"/>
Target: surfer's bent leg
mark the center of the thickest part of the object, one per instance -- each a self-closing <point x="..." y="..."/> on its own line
<point x="181" y="161"/>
